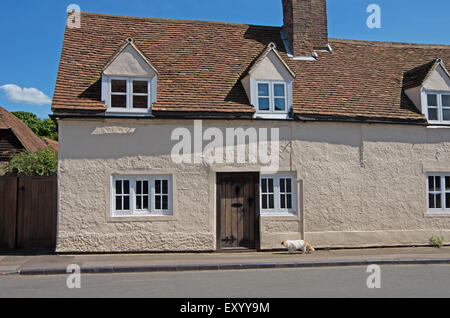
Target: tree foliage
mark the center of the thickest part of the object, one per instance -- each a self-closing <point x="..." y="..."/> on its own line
<point x="42" y="128"/>
<point x="40" y="163"/>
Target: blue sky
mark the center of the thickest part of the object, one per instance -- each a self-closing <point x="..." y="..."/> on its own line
<point x="32" y="32"/>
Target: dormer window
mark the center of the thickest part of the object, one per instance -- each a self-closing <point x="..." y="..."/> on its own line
<point x="428" y="87"/>
<point x="268" y="85"/>
<point x="272" y="97"/>
<point x="129" y="82"/>
<point x="438" y="107"/>
<point x="131" y="95"/>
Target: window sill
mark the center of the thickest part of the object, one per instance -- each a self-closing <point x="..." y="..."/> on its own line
<point x="437" y="214"/>
<point x="279" y="215"/>
<point x="271" y="116"/>
<point x="141" y="218"/>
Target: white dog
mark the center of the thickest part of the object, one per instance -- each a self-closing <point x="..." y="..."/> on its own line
<point x="293" y="246"/>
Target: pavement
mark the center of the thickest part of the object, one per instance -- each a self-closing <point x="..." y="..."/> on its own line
<point x="16" y="264"/>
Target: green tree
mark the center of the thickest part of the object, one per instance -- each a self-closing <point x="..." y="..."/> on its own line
<point x="42" y="128"/>
<point x="40" y="163"/>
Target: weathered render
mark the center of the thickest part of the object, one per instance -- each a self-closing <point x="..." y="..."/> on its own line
<point x="358" y="184"/>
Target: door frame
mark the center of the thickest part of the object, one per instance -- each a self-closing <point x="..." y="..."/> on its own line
<point x="257" y="212"/>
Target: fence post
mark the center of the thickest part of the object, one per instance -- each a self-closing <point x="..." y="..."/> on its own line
<point x="8" y="211"/>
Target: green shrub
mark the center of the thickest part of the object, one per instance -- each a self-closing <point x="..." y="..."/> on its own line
<point x="40" y="163"/>
<point x="437" y="242"/>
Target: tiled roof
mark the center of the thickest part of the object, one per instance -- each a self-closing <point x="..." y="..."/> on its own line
<point x="25" y="135"/>
<point x="200" y="65"/>
<point x="52" y="143"/>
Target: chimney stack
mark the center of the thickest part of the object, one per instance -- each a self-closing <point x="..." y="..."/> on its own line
<point x="306" y="26"/>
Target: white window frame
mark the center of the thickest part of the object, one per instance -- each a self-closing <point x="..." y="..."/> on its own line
<point x="272" y="97"/>
<point x="134" y="212"/>
<point x="440" y="107"/>
<point x="443" y="193"/>
<point x="277" y="210"/>
<point x="129" y="101"/>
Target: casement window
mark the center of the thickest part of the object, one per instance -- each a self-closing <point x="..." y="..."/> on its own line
<point x="129" y="95"/>
<point x="278" y="194"/>
<point x="141" y="195"/>
<point x="272" y="97"/>
<point x="438" y="107"/>
<point x="438" y="193"/>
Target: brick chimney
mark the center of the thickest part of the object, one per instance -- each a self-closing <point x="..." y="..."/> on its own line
<point x="306" y="26"/>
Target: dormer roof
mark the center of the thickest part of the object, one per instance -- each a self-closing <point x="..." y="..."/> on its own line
<point x="419" y="76"/>
<point x="129" y="61"/>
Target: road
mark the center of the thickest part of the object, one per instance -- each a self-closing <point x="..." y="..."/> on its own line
<point x="396" y="281"/>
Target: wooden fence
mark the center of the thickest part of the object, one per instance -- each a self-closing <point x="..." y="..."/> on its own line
<point x="28" y="212"/>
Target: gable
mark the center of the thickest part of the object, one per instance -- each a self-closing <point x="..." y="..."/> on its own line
<point x="271" y="68"/>
<point x="437" y="80"/>
<point x="129" y="62"/>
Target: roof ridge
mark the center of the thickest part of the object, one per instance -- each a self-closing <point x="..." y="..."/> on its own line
<point x="392" y="44"/>
<point x="181" y="20"/>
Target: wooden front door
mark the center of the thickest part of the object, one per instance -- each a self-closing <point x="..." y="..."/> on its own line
<point x="237" y="205"/>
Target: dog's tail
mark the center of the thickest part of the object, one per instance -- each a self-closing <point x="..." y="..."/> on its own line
<point x="309" y="247"/>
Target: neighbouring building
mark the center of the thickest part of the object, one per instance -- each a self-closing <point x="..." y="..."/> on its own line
<point x="356" y="134"/>
<point x="15" y="136"/>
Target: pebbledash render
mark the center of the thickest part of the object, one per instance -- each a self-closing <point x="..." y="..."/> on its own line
<point x="204" y="136"/>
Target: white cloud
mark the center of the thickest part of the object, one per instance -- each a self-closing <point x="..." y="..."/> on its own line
<point x="25" y="95"/>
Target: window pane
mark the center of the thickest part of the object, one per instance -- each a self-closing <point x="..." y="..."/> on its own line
<point x="271" y="201"/>
<point x="283" y="201"/>
<point x="446" y="114"/>
<point x="139" y="187"/>
<point x="431" y="183"/>
<point x="437" y="183"/>
<point x="280" y="104"/>
<point x="118" y="203"/>
<point x="145" y="187"/>
<point x="118" y="187"/>
<point x="432" y="114"/>
<point x="289" y="201"/>
<point x="439" y="201"/>
<point x="119" y="101"/>
<point x="264" y="201"/>
<point x="283" y="185"/>
<point x="139" y="203"/>
<point x="263" y="90"/>
<point x="165" y="189"/>
<point x="140" y="102"/>
<point x="279" y="90"/>
<point x="447" y="183"/>
<point x="158" y="186"/>
<point x="289" y="185"/>
<point x="158" y="202"/>
<point x="270" y="185"/>
<point x="447" y="200"/>
<point x="145" y="203"/>
<point x="432" y="100"/>
<point x="264" y="104"/>
<point x="165" y="202"/>
<point x="140" y="87"/>
<point x="118" y="86"/>
<point x="446" y="100"/>
<point x="432" y="205"/>
<point x="126" y="203"/>
<point x="264" y="185"/>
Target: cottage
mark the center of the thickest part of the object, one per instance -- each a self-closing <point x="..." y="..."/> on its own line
<point x="362" y="136"/>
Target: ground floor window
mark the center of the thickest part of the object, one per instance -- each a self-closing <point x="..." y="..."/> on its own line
<point x="141" y="195"/>
<point x="438" y="193"/>
<point x="278" y="194"/>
